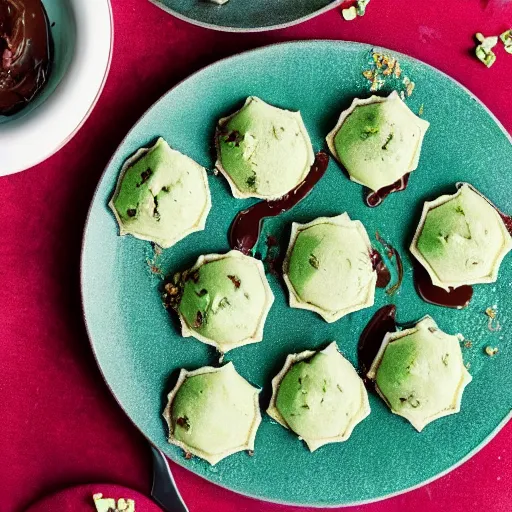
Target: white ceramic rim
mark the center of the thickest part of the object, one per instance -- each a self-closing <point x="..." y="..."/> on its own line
<point x="53" y="124"/>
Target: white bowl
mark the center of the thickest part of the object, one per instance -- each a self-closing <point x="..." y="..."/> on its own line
<point x="82" y="33"/>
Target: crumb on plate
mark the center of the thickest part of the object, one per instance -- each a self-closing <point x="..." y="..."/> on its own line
<point x="386" y="69"/>
<point x="491" y="351"/>
<point x="493" y="323"/>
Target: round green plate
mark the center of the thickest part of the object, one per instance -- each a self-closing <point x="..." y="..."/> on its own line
<point x="242" y="16"/>
<point x="139" y="348"/>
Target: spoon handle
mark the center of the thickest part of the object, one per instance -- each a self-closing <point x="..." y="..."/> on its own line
<point x="164" y="490"/>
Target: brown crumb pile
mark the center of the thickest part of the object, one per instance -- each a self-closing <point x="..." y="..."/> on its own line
<point x="385" y="68"/>
<point x="173" y="290"/>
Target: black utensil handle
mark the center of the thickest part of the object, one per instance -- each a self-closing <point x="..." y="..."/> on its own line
<point x="164" y="490"/>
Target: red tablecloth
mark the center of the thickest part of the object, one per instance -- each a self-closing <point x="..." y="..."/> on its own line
<point x="59" y="424"/>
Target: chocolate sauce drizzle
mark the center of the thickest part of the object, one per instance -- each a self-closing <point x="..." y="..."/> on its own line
<point x="507" y="220"/>
<point x="383" y="273"/>
<point x="246" y="227"/>
<point x="370" y="341"/>
<point x="457" y="298"/>
<point x="374" y="198"/>
<point x="25" y="53"/>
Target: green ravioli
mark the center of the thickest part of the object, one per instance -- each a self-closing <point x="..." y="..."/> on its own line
<point x="378" y="140"/>
<point x="225" y="300"/>
<point x="262" y="150"/>
<point x="328" y="267"/>
<point x="461" y="239"/>
<point x="319" y="396"/>
<point x="420" y="374"/>
<point x="161" y="196"/>
<point x="213" y="413"/>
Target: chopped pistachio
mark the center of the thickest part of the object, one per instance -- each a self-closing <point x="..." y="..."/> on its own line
<point x="506" y="39"/>
<point x="368" y="74"/>
<point x="313" y="261"/>
<point x="349" y="14"/>
<point x="493" y="323"/>
<point x="487" y="57"/>
<point x="369" y="130"/>
<point x="235" y="280"/>
<point x="421" y="110"/>
<point x="109" y="504"/>
<point x="251" y="181"/>
<point x="484" y="51"/>
<point x="377" y="83"/>
<point x="491" y="312"/>
<point x="489" y="43"/>
<point x="388" y="140"/>
<point x="491" y="351"/>
<point x="361" y="7"/>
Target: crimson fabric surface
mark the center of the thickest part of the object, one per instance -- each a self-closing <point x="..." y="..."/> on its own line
<point x="59" y="424"/>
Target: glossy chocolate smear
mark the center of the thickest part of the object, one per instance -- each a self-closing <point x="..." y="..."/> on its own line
<point x="246" y="227"/>
<point x="25" y="53"/>
<point x="457" y="298"/>
<point x="373" y="199"/>
<point x="370" y="341"/>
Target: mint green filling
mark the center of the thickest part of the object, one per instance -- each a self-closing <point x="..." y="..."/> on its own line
<point x="319" y="397"/>
<point x="264" y="149"/>
<point x="462" y="238"/>
<point x="330" y="267"/>
<point x="420" y="373"/>
<point x="225" y="301"/>
<point x="377" y="143"/>
<point x="214" y="412"/>
<point x="304" y="262"/>
<point x="162" y="196"/>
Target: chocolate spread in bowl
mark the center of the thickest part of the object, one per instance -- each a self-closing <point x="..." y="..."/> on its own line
<point x="25" y="53"/>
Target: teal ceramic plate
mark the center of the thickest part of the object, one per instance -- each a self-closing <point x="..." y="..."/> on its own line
<point x="243" y="16"/>
<point x="139" y="349"/>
